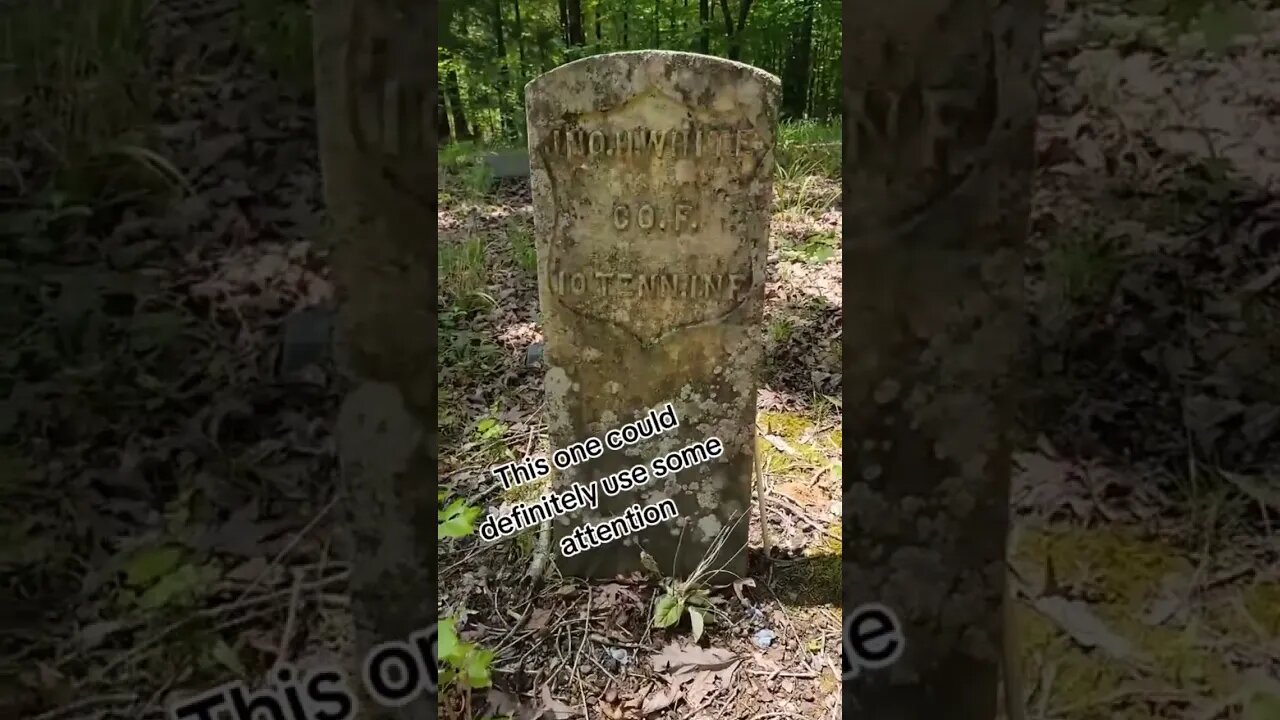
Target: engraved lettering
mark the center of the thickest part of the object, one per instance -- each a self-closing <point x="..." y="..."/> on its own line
<point x="577" y="283"/>
<point x="593" y="147"/>
<point x="644" y="216"/>
<point x="602" y="279"/>
<point x="657" y="139"/>
<point x="621" y="217"/>
<point x="681" y="215"/>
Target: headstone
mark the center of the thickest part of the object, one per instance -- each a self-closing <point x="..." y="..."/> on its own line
<point x="374" y="107"/>
<point x="938" y="151"/>
<point x="652" y="181"/>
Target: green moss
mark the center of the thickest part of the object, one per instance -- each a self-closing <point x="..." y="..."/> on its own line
<point x="1121" y="572"/>
<point x="528" y="492"/>
<point x="793" y="428"/>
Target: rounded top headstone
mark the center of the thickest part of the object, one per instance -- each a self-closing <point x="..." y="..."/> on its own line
<point x="602" y="82"/>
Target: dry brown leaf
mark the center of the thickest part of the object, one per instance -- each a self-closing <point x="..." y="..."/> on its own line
<point x="675" y="657"/>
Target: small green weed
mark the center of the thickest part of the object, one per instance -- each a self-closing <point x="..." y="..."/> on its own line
<point x="803" y="188"/>
<point x="691" y="596"/>
<point x="464" y="273"/>
<point x="780" y="330"/>
<point x="522" y="247"/>
<point x="1081" y="269"/>
<point x="814" y="250"/>
<point x="463" y="665"/>
<point x="75" y="86"/>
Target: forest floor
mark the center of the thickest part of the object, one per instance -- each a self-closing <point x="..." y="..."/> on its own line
<point x="168" y="463"/>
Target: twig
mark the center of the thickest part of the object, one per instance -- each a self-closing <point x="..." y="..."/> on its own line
<point x="287" y="548"/>
<point x="282" y="653"/>
<point x="760" y="501"/>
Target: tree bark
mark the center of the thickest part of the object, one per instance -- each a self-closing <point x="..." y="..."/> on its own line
<point x="938" y="152"/>
<point x="795" y="92"/>
<point x="704" y="37"/>
<point x="461" y="130"/>
<point x="504" y="72"/>
<point x="732" y="33"/>
<point x="375" y="107"/>
<point x="523" y="70"/>
<point x="576" y="36"/>
<point x="564" y="21"/>
<point x="442" y="117"/>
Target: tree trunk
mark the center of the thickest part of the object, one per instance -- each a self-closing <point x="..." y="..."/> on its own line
<point x="576" y="36"/>
<point x="504" y="72"/>
<point x="442" y="117"/>
<point x="599" y="33"/>
<point x="940" y="115"/>
<point x="374" y="113"/>
<point x="461" y="130"/>
<point x="657" y="20"/>
<point x="524" y="67"/>
<point x="795" y="91"/>
<point x="704" y="37"/>
<point x="564" y="21"/>
<point x="732" y="33"/>
<point x="626" y="30"/>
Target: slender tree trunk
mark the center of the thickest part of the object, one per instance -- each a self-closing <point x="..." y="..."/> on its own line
<point x="504" y="73"/>
<point x="732" y="33"/>
<point x="442" y="117"/>
<point x="626" y="30"/>
<point x="795" y="90"/>
<point x="599" y="33"/>
<point x="564" y="22"/>
<point x="374" y="112"/>
<point x="523" y="70"/>
<point x="576" y="36"/>
<point x="461" y="130"/>
<point x="938" y="149"/>
<point x="657" y="19"/>
<point x="704" y="36"/>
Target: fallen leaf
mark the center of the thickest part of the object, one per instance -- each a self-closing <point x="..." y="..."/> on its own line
<point x="675" y="657"/>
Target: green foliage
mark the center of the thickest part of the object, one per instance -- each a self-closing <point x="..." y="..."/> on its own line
<point x="457" y="519"/>
<point x="462" y="664"/>
<point x="780" y="329"/>
<point x="522" y="247"/>
<point x="815" y="249"/>
<point x="1081" y="269"/>
<point x="489" y="72"/>
<point x="464" y="273"/>
<point x="75" y="89"/>
<point x="807" y="183"/>
<point x="279" y="34"/>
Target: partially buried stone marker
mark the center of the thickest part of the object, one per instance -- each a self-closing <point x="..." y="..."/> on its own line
<point x="652" y="179"/>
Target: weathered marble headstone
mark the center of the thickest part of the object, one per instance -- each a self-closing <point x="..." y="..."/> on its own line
<point x="375" y="106"/>
<point x="938" y="150"/>
<point x="652" y="180"/>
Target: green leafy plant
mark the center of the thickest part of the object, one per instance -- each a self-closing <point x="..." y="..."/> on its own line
<point x="457" y="519"/>
<point x="462" y="664"/>
<point x="692" y="595"/>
